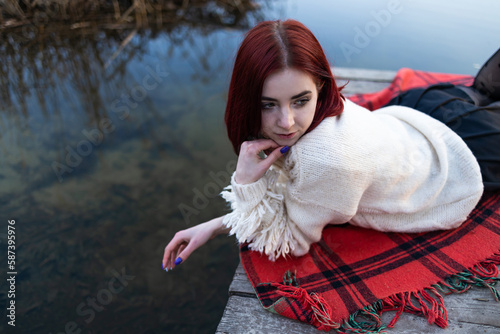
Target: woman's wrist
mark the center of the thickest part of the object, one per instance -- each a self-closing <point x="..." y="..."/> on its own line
<point x="238" y="179"/>
<point x="218" y="226"/>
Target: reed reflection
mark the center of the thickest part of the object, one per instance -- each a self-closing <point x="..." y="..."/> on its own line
<point x="59" y="79"/>
<point x="38" y="55"/>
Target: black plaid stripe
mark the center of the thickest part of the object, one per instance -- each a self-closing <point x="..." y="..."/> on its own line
<point x="334" y="273"/>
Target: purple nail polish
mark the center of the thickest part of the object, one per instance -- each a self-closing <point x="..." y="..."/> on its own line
<point x="178" y="261"/>
<point x="162" y="266"/>
<point x="284" y="149"/>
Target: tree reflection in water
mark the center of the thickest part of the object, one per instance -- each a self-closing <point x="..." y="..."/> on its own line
<point x="119" y="205"/>
<point x="37" y="55"/>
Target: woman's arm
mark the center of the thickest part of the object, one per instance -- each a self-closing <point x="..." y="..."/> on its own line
<point x="187" y="241"/>
<point x="250" y="168"/>
<point x="274" y="222"/>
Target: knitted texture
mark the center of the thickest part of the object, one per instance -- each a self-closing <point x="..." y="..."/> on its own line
<point x="394" y="170"/>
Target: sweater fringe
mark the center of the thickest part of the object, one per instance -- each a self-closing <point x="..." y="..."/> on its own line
<point x="274" y="238"/>
<point x="427" y="302"/>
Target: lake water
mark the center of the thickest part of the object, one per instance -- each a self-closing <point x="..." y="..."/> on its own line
<point x="107" y="151"/>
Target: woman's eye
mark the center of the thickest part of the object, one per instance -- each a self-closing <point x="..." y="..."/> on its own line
<point x="266" y="106"/>
<point x="301" y="102"/>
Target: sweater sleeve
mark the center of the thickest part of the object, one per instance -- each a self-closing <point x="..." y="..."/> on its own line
<point x="259" y="216"/>
<point x="274" y="220"/>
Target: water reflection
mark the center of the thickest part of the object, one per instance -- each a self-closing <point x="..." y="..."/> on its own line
<point x="34" y="57"/>
<point x="105" y="133"/>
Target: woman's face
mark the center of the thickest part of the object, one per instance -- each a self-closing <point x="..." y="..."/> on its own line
<point x="289" y="100"/>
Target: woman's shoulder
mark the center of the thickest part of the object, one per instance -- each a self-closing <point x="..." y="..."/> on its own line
<point x="335" y="125"/>
<point x="339" y="142"/>
<point x="345" y="130"/>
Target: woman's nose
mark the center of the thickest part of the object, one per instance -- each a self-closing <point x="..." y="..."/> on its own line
<point x="286" y="120"/>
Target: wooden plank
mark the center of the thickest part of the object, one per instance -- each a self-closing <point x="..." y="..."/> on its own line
<point x="362" y="81"/>
<point x="355" y="74"/>
<point x="361" y="87"/>
<point x="241" y="286"/>
<point x="246" y="315"/>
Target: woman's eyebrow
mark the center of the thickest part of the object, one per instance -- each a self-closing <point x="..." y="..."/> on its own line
<point x="293" y="97"/>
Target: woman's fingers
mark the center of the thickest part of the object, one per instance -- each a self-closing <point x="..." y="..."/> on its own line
<point x="185" y="252"/>
<point x="172" y="250"/>
<point x="187" y="241"/>
<point x="172" y="257"/>
<point x="254" y="147"/>
<point x="251" y="167"/>
<point x="275" y="155"/>
<point x="179" y="253"/>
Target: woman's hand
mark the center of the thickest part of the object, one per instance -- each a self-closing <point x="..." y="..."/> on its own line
<point x="251" y="167"/>
<point x="187" y="241"/>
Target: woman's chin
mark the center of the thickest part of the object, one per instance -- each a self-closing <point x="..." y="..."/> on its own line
<point x="286" y="142"/>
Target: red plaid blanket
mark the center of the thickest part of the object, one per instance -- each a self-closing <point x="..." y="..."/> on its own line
<point x="407" y="79"/>
<point x="355" y="273"/>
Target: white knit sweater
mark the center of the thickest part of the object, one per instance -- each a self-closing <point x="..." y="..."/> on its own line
<point x="394" y="169"/>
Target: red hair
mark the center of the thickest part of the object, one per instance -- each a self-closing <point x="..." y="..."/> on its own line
<point x="268" y="47"/>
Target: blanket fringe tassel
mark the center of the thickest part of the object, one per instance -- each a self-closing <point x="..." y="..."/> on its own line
<point x="427" y="302"/>
<point x="313" y="302"/>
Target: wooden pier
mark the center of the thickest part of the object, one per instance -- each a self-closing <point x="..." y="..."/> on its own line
<point x="473" y="312"/>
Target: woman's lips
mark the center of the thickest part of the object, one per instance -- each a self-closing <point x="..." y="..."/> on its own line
<point x="287" y="136"/>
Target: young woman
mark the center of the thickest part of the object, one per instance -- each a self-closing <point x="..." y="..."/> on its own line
<point x="328" y="160"/>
